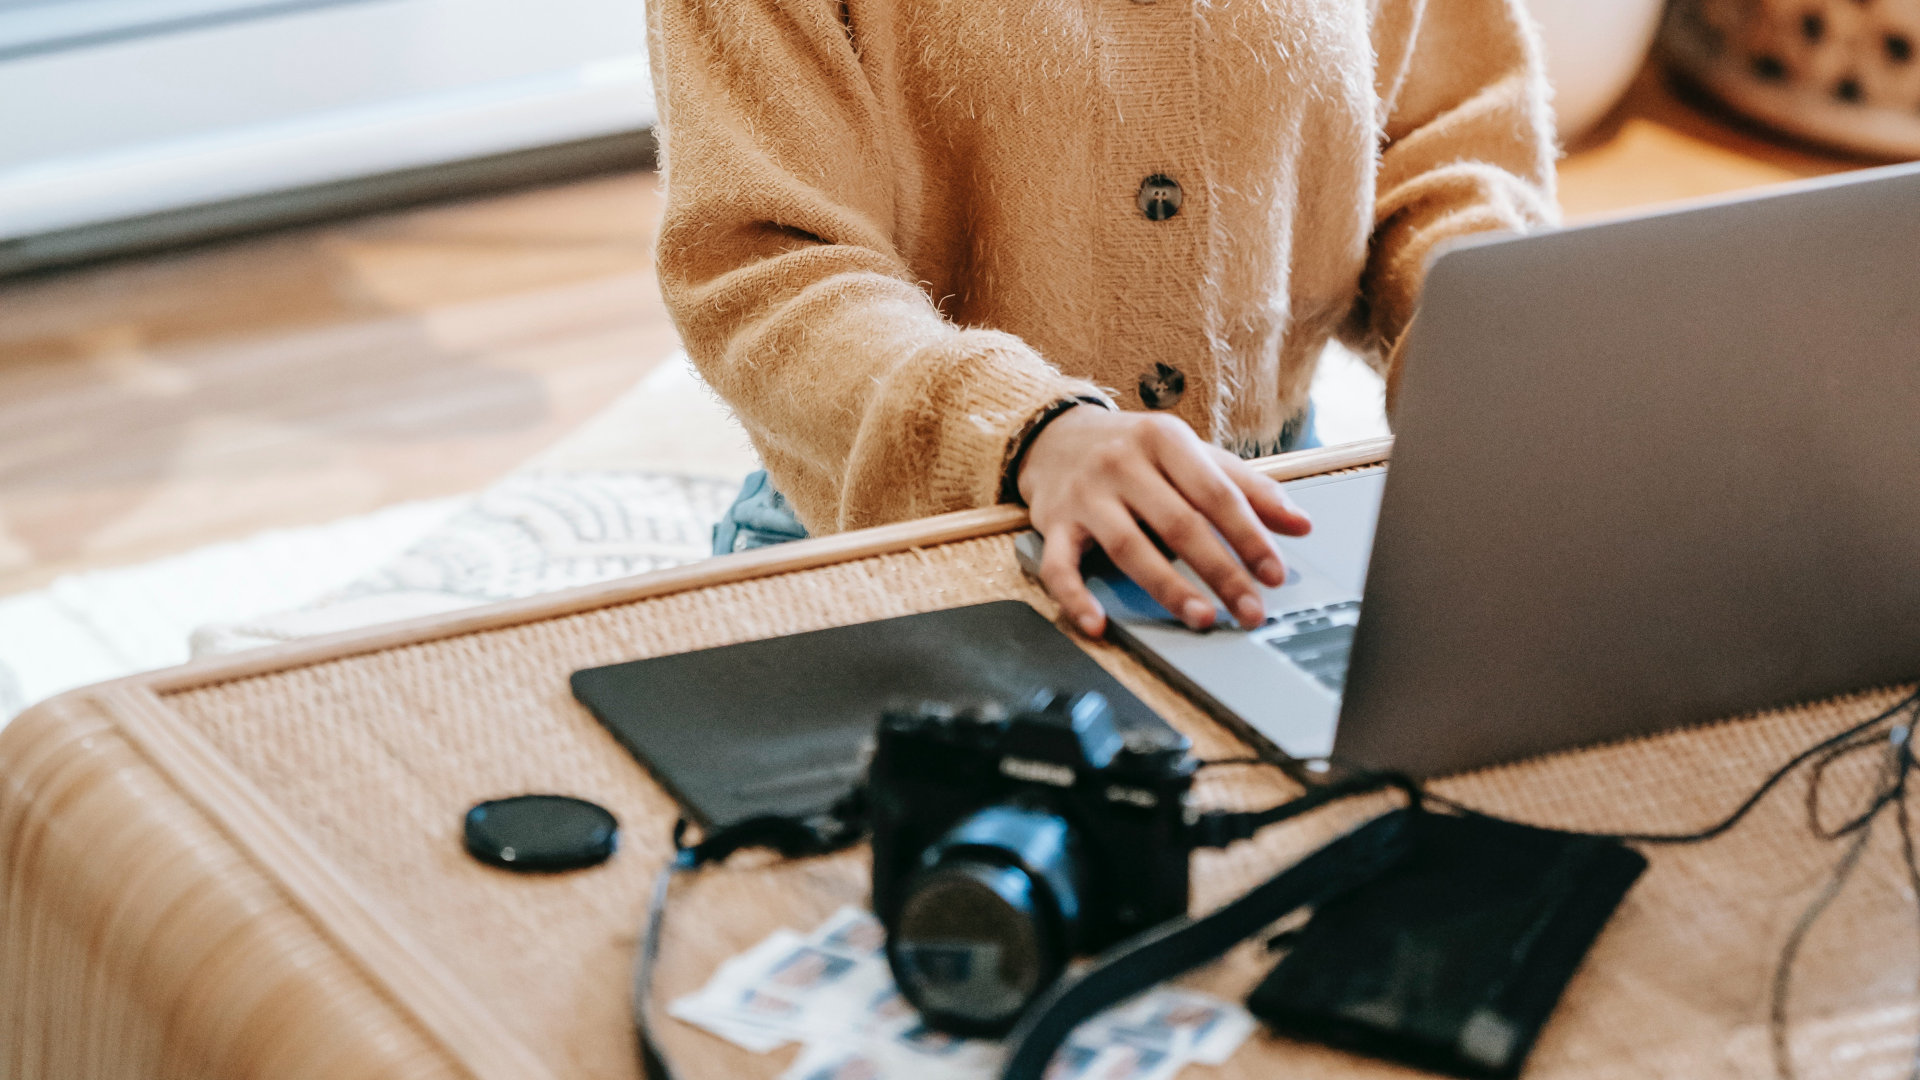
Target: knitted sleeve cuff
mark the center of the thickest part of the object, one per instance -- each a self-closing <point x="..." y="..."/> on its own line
<point x="947" y="425"/>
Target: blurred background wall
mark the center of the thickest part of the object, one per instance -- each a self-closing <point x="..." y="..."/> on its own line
<point x="115" y="115"/>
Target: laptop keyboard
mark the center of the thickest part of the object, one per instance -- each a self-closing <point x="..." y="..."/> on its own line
<point x="1318" y="639"/>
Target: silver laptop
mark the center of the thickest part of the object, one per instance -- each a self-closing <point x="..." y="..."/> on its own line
<point x="1645" y="473"/>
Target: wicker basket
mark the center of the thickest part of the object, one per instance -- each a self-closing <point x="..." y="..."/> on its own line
<point x="1845" y="73"/>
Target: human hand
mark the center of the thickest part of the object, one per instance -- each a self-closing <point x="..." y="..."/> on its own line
<point x="1094" y="476"/>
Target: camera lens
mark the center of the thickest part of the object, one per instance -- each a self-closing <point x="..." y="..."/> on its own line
<point x="972" y="947"/>
<point x="989" y="921"/>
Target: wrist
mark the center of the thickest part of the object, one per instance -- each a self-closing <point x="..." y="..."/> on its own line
<point x="1011" y="488"/>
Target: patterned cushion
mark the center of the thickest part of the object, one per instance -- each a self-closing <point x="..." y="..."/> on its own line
<point x="1844" y="72"/>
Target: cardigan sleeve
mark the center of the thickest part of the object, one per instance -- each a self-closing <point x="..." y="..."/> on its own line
<point x="1467" y="146"/>
<point x="778" y="262"/>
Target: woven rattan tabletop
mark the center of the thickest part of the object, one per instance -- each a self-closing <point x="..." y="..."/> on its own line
<point x="254" y="868"/>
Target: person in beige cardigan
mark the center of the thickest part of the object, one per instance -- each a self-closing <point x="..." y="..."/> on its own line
<point x="1085" y="254"/>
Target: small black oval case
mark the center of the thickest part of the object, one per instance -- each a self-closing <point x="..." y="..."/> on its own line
<point x="541" y="833"/>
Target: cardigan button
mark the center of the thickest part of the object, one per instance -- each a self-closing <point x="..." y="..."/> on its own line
<point x="1159" y="197"/>
<point x="1162" y="387"/>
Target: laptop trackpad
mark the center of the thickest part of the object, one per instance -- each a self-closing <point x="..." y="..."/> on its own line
<point x="1344" y="510"/>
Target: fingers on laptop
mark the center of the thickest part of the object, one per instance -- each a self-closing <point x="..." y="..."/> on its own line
<point x="1190" y="495"/>
<point x="1060" y="573"/>
<point x="1186" y="531"/>
<point x="1204" y="482"/>
<point x="1267" y="497"/>
<point x="1136" y="556"/>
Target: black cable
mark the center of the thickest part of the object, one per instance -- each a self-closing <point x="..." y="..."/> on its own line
<point x="1216" y="763"/>
<point x="1895" y="771"/>
<point x="1740" y="812"/>
<point x="1220" y="828"/>
<point x="1783" y="970"/>
<point x="1903" y="816"/>
<point x="1893" y="784"/>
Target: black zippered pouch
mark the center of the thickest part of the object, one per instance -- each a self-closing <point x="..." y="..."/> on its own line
<point x="1453" y="959"/>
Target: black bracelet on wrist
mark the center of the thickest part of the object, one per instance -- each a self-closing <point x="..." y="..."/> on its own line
<point x="1010" y="479"/>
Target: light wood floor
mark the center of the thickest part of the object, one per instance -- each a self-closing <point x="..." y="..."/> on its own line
<point x="153" y="405"/>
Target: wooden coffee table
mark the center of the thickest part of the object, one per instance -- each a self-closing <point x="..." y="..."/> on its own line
<point x="253" y="867"/>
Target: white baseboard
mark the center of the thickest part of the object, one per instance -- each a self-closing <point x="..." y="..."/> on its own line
<point x="438" y="128"/>
<point x="147" y="125"/>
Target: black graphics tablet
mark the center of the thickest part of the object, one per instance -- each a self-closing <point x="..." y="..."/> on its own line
<point x="782" y="726"/>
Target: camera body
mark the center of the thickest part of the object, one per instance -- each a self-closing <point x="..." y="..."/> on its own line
<point x="1006" y="842"/>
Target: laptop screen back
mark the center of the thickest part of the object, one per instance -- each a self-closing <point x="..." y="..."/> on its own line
<point x="1646" y="474"/>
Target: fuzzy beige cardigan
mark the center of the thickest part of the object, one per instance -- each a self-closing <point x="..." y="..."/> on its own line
<point x="898" y="230"/>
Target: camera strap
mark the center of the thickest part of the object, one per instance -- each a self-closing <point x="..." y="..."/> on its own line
<point x="791" y="837"/>
<point x="1178" y="946"/>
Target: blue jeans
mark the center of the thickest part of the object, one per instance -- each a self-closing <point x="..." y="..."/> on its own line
<point x="760" y="516"/>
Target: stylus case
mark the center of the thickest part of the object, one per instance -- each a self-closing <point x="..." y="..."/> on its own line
<point x="1452" y="960"/>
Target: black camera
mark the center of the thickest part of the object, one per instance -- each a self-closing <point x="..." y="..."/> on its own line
<point x="1005" y="843"/>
